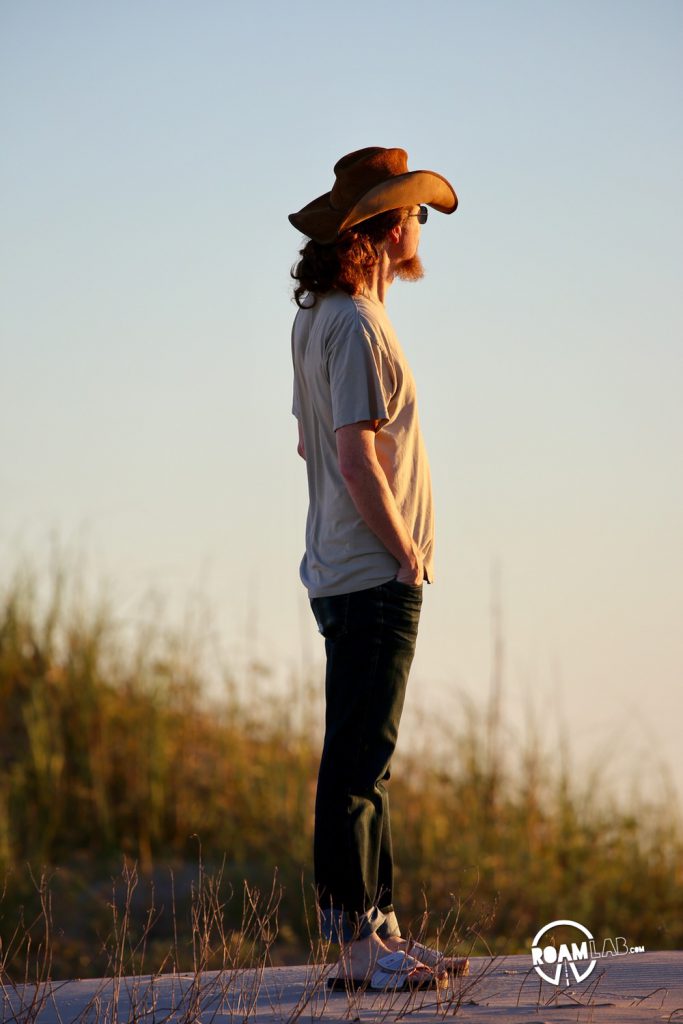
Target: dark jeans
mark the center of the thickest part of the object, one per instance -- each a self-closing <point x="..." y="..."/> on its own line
<point x="370" y="640"/>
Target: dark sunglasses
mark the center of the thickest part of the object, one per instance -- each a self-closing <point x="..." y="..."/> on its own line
<point x="421" y="215"/>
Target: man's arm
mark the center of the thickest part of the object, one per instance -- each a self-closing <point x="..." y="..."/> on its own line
<point x="368" y="486"/>
<point x="301" y="449"/>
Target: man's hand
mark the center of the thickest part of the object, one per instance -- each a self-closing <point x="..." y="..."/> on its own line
<point x="368" y="486"/>
<point x="411" y="574"/>
<point x="301" y="448"/>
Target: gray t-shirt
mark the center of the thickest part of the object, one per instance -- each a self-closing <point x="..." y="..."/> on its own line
<point x="349" y="366"/>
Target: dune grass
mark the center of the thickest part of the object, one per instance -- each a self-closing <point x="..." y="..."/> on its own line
<point x="112" y="754"/>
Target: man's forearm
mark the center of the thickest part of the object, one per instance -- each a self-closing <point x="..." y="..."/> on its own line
<point x="372" y="496"/>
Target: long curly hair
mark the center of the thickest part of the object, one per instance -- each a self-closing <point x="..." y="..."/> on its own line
<point x="345" y="264"/>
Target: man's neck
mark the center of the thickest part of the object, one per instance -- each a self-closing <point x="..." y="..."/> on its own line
<point x="379" y="280"/>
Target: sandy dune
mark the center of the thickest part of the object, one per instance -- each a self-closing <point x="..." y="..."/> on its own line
<point x="638" y="987"/>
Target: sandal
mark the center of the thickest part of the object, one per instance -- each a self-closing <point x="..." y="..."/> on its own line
<point x="432" y="958"/>
<point x="395" y="972"/>
<point x="400" y="972"/>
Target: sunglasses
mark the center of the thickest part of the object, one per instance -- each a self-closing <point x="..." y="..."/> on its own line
<point x="421" y="215"/>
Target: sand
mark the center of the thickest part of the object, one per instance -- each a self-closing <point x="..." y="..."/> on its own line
<point x="635" y="987"/>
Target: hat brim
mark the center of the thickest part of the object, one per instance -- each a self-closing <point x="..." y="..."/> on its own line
<point x="321" y="222"/>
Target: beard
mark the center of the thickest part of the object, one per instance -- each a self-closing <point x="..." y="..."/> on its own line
<point x="411" y="269"/>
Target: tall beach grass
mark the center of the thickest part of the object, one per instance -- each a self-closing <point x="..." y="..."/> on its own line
<point x="113" y="758"/>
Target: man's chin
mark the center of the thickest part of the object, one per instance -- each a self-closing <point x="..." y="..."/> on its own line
<point x="410" y="270"/>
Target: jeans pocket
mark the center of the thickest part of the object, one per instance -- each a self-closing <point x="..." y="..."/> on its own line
<point x="331" y="615"/>
<point x="414" y="588"/>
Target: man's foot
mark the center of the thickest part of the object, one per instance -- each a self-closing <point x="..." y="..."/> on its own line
<point x="361" y="959"/>
<point x="430" y="957"/>
<point x="401" y="972"/>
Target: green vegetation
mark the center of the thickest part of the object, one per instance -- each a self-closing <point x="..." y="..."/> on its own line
<point x="111" y="753"/>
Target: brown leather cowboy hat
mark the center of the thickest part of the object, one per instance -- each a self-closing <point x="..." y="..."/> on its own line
<point x="367" y="182"/>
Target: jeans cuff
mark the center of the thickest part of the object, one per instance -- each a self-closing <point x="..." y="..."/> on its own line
<point x="389" y="928"/>
<point x="339" y="926"/>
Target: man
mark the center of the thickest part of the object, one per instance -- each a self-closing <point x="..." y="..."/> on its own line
<point x="369" y="536"/>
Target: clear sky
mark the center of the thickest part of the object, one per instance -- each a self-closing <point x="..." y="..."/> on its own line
<point x="151" y="152"/>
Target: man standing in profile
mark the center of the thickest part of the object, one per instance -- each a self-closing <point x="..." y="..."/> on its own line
<point x="369" y="538"/>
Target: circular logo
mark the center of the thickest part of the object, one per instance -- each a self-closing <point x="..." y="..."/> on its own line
<point x="569" y="954"/>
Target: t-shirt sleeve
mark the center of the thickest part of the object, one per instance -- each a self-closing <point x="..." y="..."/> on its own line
<point x="360" y="377"/>
<point x="296" y="407"/>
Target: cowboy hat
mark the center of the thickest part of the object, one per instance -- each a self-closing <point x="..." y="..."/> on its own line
<point x="367" y="182"/>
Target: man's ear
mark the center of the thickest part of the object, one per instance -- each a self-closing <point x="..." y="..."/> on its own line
<point x="395" y="233"/>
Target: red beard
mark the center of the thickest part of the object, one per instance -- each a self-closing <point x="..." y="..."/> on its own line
<point x="410" y="270"/>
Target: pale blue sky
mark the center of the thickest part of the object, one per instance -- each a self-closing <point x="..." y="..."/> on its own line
<point x="151" y="154"/>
